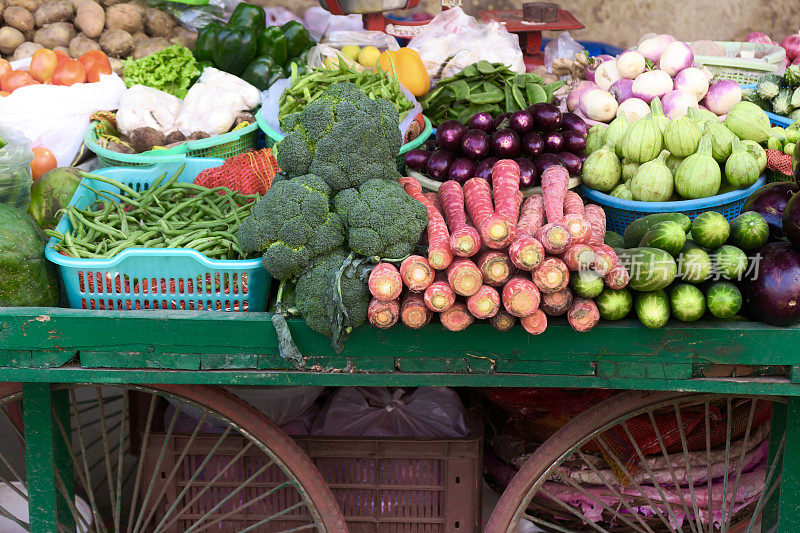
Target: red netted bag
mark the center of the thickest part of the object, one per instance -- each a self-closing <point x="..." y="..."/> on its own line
<point x="248" y="173"/>
<point x="777" y="160"/>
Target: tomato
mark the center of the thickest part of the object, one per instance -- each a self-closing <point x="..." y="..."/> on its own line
<point x="69" y="73"/>
<point x="94" y="71"/>
<point x="4" y="94"/>
<point x="62" y="56"/>
<point x="43" y="161"/>
<point x="95" y="57"/>
<point x="43" y="63"/>
<point x="5" y="68"/>
<point x="16" y="79"/>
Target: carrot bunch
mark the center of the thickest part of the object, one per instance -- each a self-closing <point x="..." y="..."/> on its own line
<point x="493" y="256"/>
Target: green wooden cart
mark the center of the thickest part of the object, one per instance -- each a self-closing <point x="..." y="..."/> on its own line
<point x="48" y="350"/>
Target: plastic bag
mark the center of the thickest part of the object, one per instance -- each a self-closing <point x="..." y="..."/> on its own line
<point x="213" y="102"/>
<point x="142" y="106"/>
<point x="57" y="117"/>
<point x="196" y="17"/>
<point x="467" y="40"/>
<point x="337" y="39"/>
<point x="562" y="47"/>
<point x="270" y="102"/>
<point x="15" y="169"/>
<point x="319" y="22"/>
<point x="278" y="16"/>
<point x="383" y="412"/>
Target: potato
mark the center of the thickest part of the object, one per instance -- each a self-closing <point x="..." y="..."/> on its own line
<point x="90" y="19"/>
<point x="56" y="34"/>
<point x="124" y="17"/>
<point x="53" y="11"/>
<point x="108" y="3"/>
<point x="19" y="18"/>
<point x="150" y="46"/>
<point x="81" y="44"/>
<point x="29" y="5"/>
<point x="2" y="7"/>
<point x="157" y="23"/>
<point x="139" y="37"/>
<point x="116" y="65"/>
<point x="26" y="49"/>
<point x="116" y="43"/>
<point x="61" y="49"/>
<point x="10" y="39"/>
<point x="78" y="3"/>
<point x="183" y="36"/>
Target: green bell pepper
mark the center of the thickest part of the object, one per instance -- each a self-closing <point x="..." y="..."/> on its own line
<point x="260" y="71"/>
<point x="248" y="16"/>
<point x="204" y="47"/>
<point x="273" y="43"/>
<point x="297" y="37"/>
<point x="234" y="49"/>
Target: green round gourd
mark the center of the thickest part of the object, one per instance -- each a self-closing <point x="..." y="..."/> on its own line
<point x="643" y="141"/>
<point x="601" y="170"/>
<point x="701" y="116"/>
<point x="757" y="151"/>
<point x="616" y="131"/>
<point x="699" y="176"/>
<point x="721" y="140"/>
<point x="741" y="168"/>
<point x="622" y="191"/>
<point x="628" y="170"/>
<point x="653" y="182"/>
<point x="682" y="137"/>
<point x="673" y="162"/>
<point x="596" y="138"/>
<point x="657" y="114"/>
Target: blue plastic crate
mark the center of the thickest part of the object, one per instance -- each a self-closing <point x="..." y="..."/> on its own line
<point x="166" y="278"/>
<point x="620" y="213"/>
<point x="595" y="48"/>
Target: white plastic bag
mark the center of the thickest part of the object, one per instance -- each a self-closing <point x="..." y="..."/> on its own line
<point x="279" y="15"/>
<point x="319" y="22"/>
<point x="143" y="106"/>
<point x="454" y="33"/>
<point x="211" y="105"/>
<point x="563" y="46"/>
<point x="57" y="117"/>
<point x="383" y="412"/>
<point x="337" y="39"/>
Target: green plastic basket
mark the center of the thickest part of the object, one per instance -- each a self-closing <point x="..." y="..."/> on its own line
<point x="273" y="136"/>
<point x="744" y="70"/>
<point x="220" y="146"/>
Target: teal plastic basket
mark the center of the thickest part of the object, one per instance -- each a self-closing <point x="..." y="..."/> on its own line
<point x="620" y="213"/>
<point x="167" y="278"/>
<point x="273" y="136"/>
<point x="220" y="146"/>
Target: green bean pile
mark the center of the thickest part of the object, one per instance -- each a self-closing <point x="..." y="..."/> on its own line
<point x="167" y="215"/>
<point x="306" y="88"/>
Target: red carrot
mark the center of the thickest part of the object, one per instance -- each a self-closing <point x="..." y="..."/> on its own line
<point x="382" y="313"/>
<point x="596" y="217"/>
<point x="439" y="254"/>
<point x="579" y="229"/>
<point x="457" y="318"/>
<point x="416" y="273"/>
<point x="535" y="323"/>
<point x="433" y="198"/>
<point x="410" y="185"/>
<point x="464" y="239"/>
<point x="573" y="204"/>
<point x="385" y="282"/>
<point x="521" y="297"/>
<point x="554" y="237"/>
<point x="413" y="312"/>
<point x="526" y="253"/>
<point x="583" y="315"/>
<point x="502" y="321"/>
<point x="557" y="303"/>
<point x="531" y="216"/>
<point x="603" y="261"/>
<point x="439" y="296"/>
<point x="551" y="276"/>
<point x="555" y="180"/>
<point x="505" y="187"/>
<point x="618" y="277"/>
<point x="464" y="277"/>
<point x="485" y="303"/>
<point x="578" y="257"/>
<point x="495" y="267"/>
<point x="496" y="232"/>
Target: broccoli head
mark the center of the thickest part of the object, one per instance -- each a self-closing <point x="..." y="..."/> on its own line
<point x="323" y="303"/>
<point x="381" y="219"/>
<point x="291" y="225"/>
<point x="343" y="137"/>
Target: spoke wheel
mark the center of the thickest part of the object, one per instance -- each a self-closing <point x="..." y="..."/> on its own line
<point x="170" y="458"/>
<point x="647" y="462"/>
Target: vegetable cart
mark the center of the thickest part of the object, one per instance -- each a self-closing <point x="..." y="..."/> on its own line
<point x="46" y="353"/>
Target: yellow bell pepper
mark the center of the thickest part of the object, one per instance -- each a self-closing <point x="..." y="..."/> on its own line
<point x="410" y="70"/>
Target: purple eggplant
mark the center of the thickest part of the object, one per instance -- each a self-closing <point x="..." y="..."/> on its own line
<point x="417" y="159"/>
<point x="505" y="143"/>
<point x="574" y="141"/>
<point x="484" y="168"/>
<point x="769" y="201"/>
<point x="429" y="145"/>
<point x="547" y="160"/>
<point x="462" y="169"/>
<point x="521" y="121"/>
<point x="572" y="162"/>
<point x="527" y="172"/>
<point x="449" y="135"/>
<point x="553" y="142"/>
<point x="499" y="119"/>
<point x="532" y="144"/>
<point x="546" y="117"/>
<point x="571" y="121"/>
<point x="475" y="144"/>
<point x="481" y="121"/>
<point x="772" y="293"/>
<point x="439" y="164"/>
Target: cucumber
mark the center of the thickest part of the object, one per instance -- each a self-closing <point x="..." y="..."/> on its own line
<point x="729" y="262"/>
<point x="749" y="231"/>
<point x="650" y="268"/>
<point x="710" y="229"/>
<point x="652" y="308"/>
<point x="636" y="229"/>
<point x="614" y="304"/>
<point x="687" y="302"/>
<point x="613" y="239"/>
<point x="724" y="299"/>
<point x="586" y="284"/>
<point x="668" y="236"/>
<point x="694" y="264"/>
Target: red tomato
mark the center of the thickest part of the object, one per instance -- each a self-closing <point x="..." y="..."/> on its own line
<point x="95" y="70"/>
<point x="43" y="161"/>
<point x="43" y="63"/>
<point x="16" y="79"/>
<point x="5" y="68"/>
<point x="69" y="73"/>
<point x="3" y="94"/>
<point x="62" y="56"/>
<point x="95" y="57"/>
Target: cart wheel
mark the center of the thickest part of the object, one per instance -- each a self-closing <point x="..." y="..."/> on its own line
<point x="173" y="458"/>
<point x="647" y="461"/>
